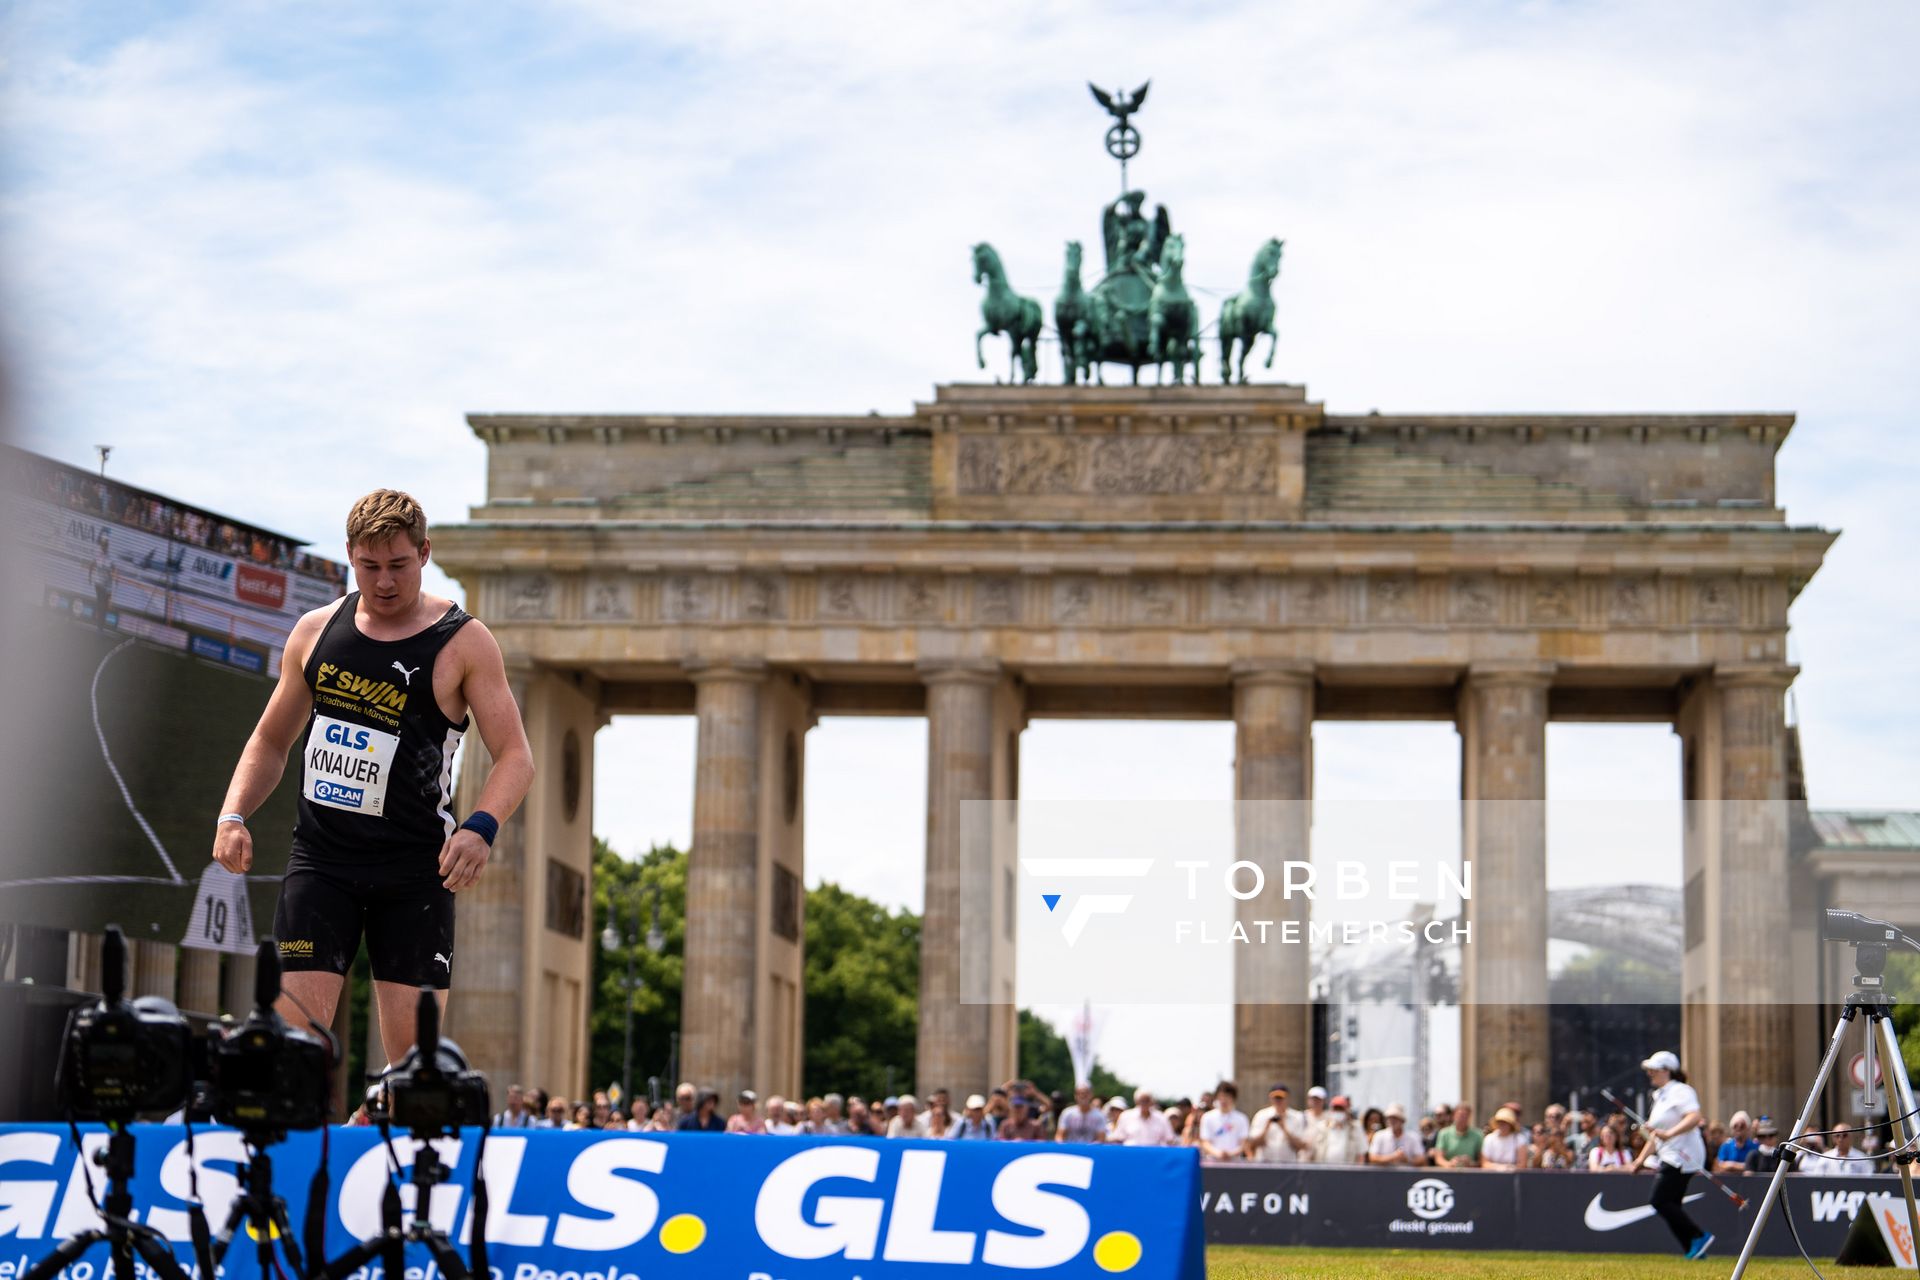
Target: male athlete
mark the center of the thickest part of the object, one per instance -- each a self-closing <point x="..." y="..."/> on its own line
<point x="377" y="687"/>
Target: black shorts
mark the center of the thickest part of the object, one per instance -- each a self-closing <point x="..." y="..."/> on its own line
<point x="404" y="910"/>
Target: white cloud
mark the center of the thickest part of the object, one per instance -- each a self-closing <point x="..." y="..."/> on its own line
<point x="275" y="256"/>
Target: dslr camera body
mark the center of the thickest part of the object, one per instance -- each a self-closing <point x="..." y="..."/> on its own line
<point x="119" y="1058"/>
<point x="433" y="1090"/>
<point x="263" y="1075"/>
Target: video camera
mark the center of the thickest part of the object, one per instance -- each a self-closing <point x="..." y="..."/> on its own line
<point x="119" y="1058"/>
<point x="432" y="1090"/>
<point x="264" y="1075"/>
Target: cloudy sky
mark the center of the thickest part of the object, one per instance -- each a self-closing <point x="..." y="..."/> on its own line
<point x="273" y="254"/>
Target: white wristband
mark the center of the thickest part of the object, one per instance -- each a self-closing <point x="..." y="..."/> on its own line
<point x="240" y="818"/>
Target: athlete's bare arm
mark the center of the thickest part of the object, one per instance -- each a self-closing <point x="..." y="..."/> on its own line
<point x="497" y="717"/>
<point x="265" y="756"/>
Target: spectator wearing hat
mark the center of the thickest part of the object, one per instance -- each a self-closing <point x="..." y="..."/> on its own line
<point x="1505" y="1149"/>
<point x="974" y="1124"/>
<point x="1084" y="1121"/>
<point x="1223" y="1129"/>
<point x="1021" y="1124"/>
<point x="1396" y="1144"/>
<point x="1316" y="1120"/>
<point x="1674" y="1144"/>
<point x="1458" y="1145"/>
<point x="1142" y="1125"/>
<point x="1766" y="1155"/>
<point x="907" y="1121"/>
<point x="746" y="1118"/>
<point x="1339" y="1140"/>
<point x="1731" y="1156"/>
<point x="1279" y="1134"/>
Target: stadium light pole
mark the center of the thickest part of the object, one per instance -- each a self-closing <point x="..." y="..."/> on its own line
<point x="611" y="940"/>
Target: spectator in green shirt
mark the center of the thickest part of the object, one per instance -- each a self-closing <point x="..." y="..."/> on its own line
<point x="1458" y="1145"/>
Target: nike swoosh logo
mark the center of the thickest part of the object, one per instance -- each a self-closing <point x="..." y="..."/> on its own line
<point x="1601" y="1219"/>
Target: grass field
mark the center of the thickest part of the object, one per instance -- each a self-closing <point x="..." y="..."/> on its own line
<point x="1225" y="1262"/>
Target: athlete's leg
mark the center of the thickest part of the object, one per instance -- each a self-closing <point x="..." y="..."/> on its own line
<point x="308" y="994"/>
<point x="410" y="946"/>
<point x="399" y="1005"/>
<point x="317" y="926"/>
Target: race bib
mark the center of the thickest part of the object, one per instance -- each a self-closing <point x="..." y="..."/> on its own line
<point x="348" y="766"/>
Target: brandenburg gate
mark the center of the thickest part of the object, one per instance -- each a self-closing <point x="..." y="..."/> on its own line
<point x="1195" y="552"/>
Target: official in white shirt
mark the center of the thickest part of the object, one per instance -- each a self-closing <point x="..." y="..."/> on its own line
<point x="1673" y="1132"/>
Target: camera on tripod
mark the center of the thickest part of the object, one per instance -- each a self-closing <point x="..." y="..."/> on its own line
<point x="432" y="1090"/>
<point x="266" y="1076"/>
<point x="119" y="1057"/>
<point x="1869" y="938"/>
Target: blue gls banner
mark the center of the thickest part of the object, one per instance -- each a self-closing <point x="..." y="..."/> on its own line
<point x="627" y="1206"/>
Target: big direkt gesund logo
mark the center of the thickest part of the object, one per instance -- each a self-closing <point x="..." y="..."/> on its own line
<point x="604" y="1210"/>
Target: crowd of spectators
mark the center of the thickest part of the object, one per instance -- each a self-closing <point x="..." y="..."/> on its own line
<point x="1324" y="1131"/>
<point x="78" y="491"/>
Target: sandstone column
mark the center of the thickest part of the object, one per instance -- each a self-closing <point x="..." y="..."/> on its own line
<point x="151" y="968"/>
<point x="717" y="1001"/>
<point x="1754" y="907"/>
<point x="484" y="1012"/>
<point x="955" y="1041"/>
<point x="199" y="981"/>
<point x="1504" y="1014"/>
<point x="236" y="984"/>
<point x="1273" y="736"/>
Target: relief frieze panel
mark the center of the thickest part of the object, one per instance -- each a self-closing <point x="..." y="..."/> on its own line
<point x="1138" y="465"/>
<point x="1244" y="598"/>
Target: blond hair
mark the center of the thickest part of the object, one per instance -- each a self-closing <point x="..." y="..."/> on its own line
<point x="385" y="514"/>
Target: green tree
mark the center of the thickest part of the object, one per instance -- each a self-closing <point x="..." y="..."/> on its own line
<point x="1903" y="988"/>
<point x="1046" y="1060"/>
<point x="629" y="883"/>
<point x="1601" y="975"/>
<point x="862" y="995"/>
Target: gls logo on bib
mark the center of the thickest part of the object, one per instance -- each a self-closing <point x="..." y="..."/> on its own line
<point x="348" y="766"/>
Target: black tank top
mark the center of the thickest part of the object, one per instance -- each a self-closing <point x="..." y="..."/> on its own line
<point x="376" y="763"/>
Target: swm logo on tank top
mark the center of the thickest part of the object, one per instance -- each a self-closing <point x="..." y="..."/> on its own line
<point x="383" y="700"/>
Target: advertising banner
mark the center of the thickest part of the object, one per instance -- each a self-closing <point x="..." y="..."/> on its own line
<point x="170" y="573"/>
<point x="618" y="1206"/>
<point x="1547" y="1210"/>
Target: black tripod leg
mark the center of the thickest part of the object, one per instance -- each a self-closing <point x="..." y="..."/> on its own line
<point x="158" y="1253"/>
<point x="260" y="1217"/>
<point x="352" y="1260"/>
<point x="446" y="1255"/>
<point x="235" y="1216"/>
<point x="122" y="1241"/>
<point x="56" y="1262"/>
<point x="287" y="1242"/>
<point x="396" y="1250"/>
<point x="202" y="1241"/>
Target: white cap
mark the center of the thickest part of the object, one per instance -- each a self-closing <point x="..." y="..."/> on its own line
<point x="1317" y="1092"/>
<point x="1665" y="1060"/>
<point x="1116" y="1102"/>
<point x="975" y="1100"/>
